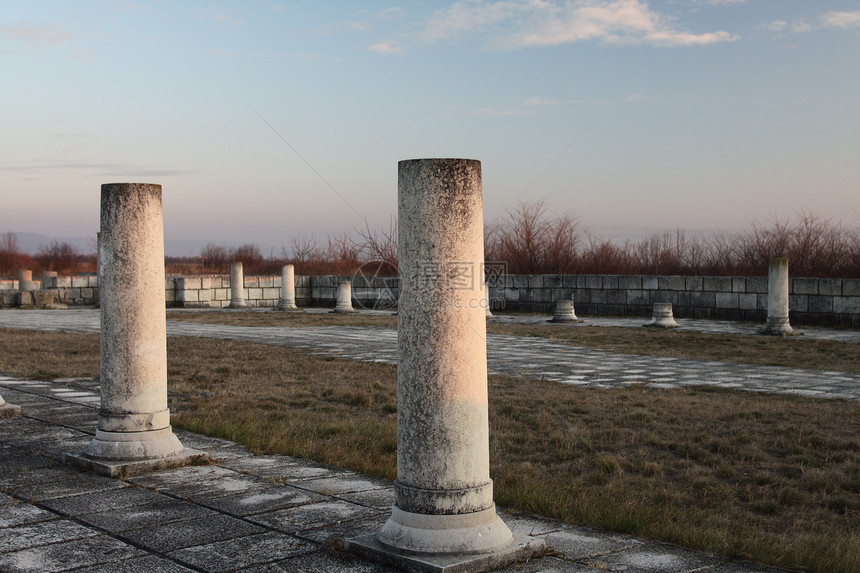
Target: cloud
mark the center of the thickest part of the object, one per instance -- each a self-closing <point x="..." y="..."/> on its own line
<point x="37" y="36"/>
<point x="539" y="101"/>
<point x="514" y="24"/>
<point x="99" y="169"/>
<point x="845" y="20"/>
<point x="387" y="48"/>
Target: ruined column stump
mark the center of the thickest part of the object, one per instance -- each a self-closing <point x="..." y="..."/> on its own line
<point x="25" y="281"/>
<point x="237" y="285"/>
<point x="133" y="433"/>
<point x="565" y="312"/>
<point x="8" y="410"/>
<point x="444" y="517"/>
<point x="777" y="299"/>
<point x="489" y="311"/>
<point x="662" y="316"/>
<point x="288" y="289"/>
<point x="343" y="303"/>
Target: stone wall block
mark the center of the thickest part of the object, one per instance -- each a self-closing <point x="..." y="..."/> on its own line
<point x="804" y="286"/>
<point x="717" y="284"/>
<point x="630" y="282"/>
<point x="693" y="283"/>
<point x="649" y="283"/>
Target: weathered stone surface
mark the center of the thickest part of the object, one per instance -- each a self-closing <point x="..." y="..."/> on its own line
<point x="237" y="285"/>
<point x="443" y="492"/>
<point x="777" y="298"/>
<point x="134" y="422"/>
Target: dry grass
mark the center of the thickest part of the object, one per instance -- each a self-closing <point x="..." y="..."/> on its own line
<point x="281" y="318"/>
<point x="796" y="352"/>
<point x="769" y="478"/>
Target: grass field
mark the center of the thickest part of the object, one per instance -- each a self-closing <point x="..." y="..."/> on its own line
<point x="770" y="478"/>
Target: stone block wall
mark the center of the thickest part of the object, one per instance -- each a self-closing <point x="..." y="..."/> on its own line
<point x="831" y="302"/>
<point x="811" y="300"/>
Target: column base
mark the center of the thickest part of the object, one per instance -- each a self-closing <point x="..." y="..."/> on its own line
<point x="119" y="454"/>
<point x="468" y="543"/>
<point x="8" y="410"/>
<point x="237" y="305"/>
<point x="128" y="468"/>
<point x="779" y="327"/>
<point x="288" y="307"/>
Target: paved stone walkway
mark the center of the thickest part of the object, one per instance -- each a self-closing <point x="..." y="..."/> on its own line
<point x="242" y="513"/>
<point x="531" y="357"/>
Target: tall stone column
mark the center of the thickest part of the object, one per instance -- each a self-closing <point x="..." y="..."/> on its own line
<point x="288" y="289"/>
<point x="237" y="285"/>
<point x="443" y="492"/>
<point x="133" y="419"/>
<point x="777" y="298"/>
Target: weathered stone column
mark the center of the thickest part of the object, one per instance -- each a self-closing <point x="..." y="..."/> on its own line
<point x="343" y="303"/>
<point x="777" y="298"/>
<point x="443" y="492"/>
<point x="288" y="289"/>
<point x="25" y="280"/>
<point x="565" y="312"/>
<point x="662" y="316"/>
<point x="133" y="421"/>
<point x="237" y="285"/>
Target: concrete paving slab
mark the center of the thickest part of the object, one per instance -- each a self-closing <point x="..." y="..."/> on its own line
<point x="14" y="513"/>
<point x="271" y="498"/>
<point x="164" y="538"/>
<point x="327" y="561"/>
<point x="655" y="558"/>
<point x="314" y="515"/>
<point x="148" y="564"/>
<point x="245" y="552"/>
<point x="69" y="555"/>
<point x="34" y="476"/>
<point x="529" y="524"/>
<point x="73" y="483"/>
<point x="343" y="484"/>
<point x="548" y="565"/>
<point x="288" y="469"/>
<point x="152" y="514"/>
<point x="34" y="535"/>
<point x="582" y="543"/>
<point x="381" y="499"/>
<point x="336" y="533"/>
<point x="101" y="501"/>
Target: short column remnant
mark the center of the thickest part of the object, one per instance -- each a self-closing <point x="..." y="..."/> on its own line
<point x="777" y="299"/>
<point x="343" y="304"/>
<point x="565" y="312"/>
<point x="237" y="285"/>
<point x="444" y="517"/>
<point x="25" y="281"/>
<point x="487" y="299"/>
<point x="8" y="410"/>
<point x="133" y="433"/>
<point x="288" y="289"/>
<point x="661" y="316"/>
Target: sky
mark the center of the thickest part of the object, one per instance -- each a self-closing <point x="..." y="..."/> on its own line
<point x="265" y="121"/>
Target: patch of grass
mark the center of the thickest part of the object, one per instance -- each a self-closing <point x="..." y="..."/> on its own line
<point x="770" y="478"/>
<point x="270" y="317"/>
